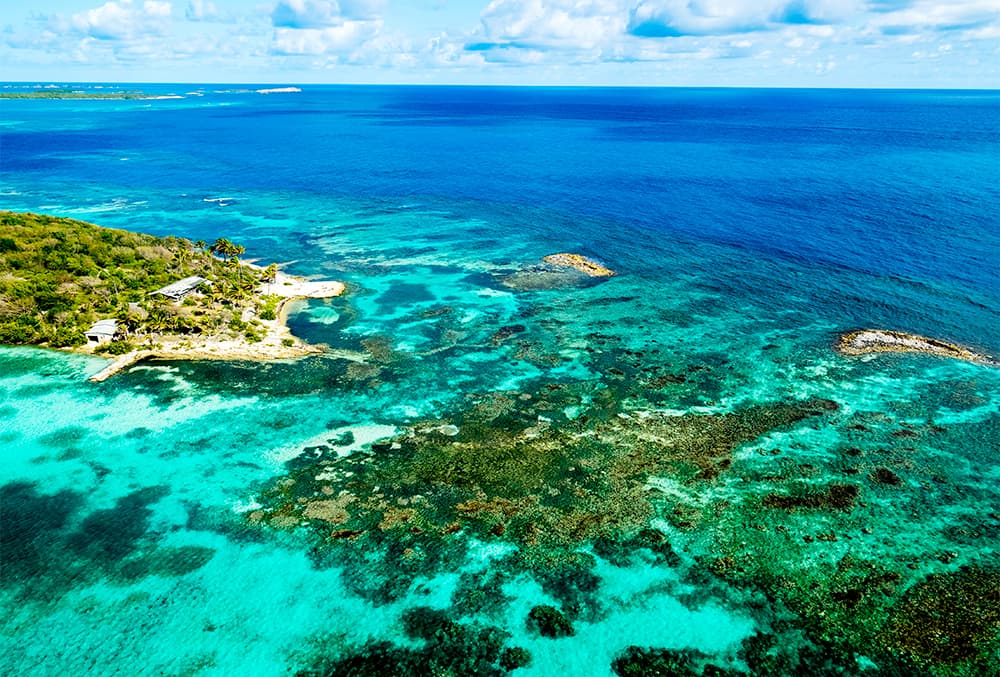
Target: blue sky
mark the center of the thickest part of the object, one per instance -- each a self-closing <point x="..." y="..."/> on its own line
<point x="811" y="43"/>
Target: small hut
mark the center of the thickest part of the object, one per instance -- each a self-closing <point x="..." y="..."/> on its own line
<point x="103" y="331"/>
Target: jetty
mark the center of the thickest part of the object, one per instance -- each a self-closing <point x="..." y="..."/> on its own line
<point x="120" y="363"/>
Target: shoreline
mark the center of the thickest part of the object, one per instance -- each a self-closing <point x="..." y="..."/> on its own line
<point x="274" y="344"/>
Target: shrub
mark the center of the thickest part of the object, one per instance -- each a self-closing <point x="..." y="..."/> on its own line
<point x="64" y="337"/>
<point x="115" y="348"/>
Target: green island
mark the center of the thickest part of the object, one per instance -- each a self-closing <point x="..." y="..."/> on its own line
<point x="75" y="94"/>
<point x="75" y="285"/>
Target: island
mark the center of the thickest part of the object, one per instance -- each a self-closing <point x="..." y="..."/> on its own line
<point x="76" y="94"/>
<point x="72" y="285"/>
<point x="866" y="341"/>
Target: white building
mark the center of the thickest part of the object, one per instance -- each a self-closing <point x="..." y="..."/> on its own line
<point x="103" y="331"/>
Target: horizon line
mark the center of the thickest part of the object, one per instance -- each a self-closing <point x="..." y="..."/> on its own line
<point x="497" y="85"/>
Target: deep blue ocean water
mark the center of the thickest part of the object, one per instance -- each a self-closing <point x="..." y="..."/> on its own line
<point x="747" y="227"/>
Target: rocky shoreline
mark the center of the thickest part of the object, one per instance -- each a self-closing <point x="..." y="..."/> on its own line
<point x="867" y="341"/>
<point x="277" y="342"/>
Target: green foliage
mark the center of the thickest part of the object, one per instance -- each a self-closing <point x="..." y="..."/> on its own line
<point x="66" y="337"/>
<point x="73" y="94"/>
<point x="23" y="331"/>
<point x="115" y="348"/>
<point x="60" y="275"/>
<point x="287" y="342"/>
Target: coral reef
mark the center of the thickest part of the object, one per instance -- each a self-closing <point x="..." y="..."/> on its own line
<point x="950" y="619"/>
<point x="548" y="621"/>
<point x="446" y="648"/>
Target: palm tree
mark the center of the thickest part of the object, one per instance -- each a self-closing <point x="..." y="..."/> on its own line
<point x="235" y="252"/>
<point x="270" y="273"/>
<point x="221" y="247"/>
<point x="181" y="257"/>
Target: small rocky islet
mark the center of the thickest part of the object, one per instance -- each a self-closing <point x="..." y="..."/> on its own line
<point x="555" y="271"/>
<point x="869" y="341"/>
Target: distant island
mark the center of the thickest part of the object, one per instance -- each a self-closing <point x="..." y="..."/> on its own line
<point x="74" y="285"/>
<point x="74" y="94"/>
<point x="127" y="94"/>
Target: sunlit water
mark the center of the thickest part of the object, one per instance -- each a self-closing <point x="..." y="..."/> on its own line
<point x="747" y="228"/>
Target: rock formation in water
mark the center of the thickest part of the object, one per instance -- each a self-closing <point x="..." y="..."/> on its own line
<point x="864" y="341"/>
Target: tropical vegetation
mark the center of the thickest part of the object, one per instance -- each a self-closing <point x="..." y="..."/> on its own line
<point x="59" y="275"/>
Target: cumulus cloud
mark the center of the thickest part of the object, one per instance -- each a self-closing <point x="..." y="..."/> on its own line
<point x="308" y="14"/>
<point x="924" y="15"/>
<point x="123" y="20"/>
<point x="677" y="18"/>
<point x="542" y="24"/>
<point x="342" y="39"/>
<point x="321" y="13"/>
<point x="201" y="10"/>
<point x="810" y="37"/>
<point x="330" y="27"/>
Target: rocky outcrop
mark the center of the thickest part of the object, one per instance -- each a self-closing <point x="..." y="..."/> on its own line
<point x="557" y="271"/>
<point x="579" y="262"/>
<point x="865" y="341"/>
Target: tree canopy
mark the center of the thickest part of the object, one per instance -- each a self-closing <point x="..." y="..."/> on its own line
<point x="59" y="275"/>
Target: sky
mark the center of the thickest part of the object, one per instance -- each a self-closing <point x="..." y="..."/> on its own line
<point x="768" y="43"/>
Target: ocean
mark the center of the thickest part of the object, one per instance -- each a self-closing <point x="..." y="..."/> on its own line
<point x="669" y="470"/>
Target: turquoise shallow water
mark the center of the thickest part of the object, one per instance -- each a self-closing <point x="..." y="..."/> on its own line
<point x="155" y="524"/>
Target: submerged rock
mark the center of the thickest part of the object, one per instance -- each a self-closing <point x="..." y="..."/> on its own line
<point x="548" y="621"/>
<point x="638" y="661"/>
<point x="445" y="647"/>
<point x="885" y="476"/>
<point x="515" y="657"/>
<point x="836" y="496"/>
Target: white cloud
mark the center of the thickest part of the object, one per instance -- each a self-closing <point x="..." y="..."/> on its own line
<point x="343" y="38"/>
<point x="123" y="20"/>
<point x="322" y="13"/>
<point x="327" y="27"/>
<point x="799" y="37"/>
<point x="676" y="18"/>
<point x="538" y="24"/>
<point x="939" y="16"/>
<point x="201" y="10"/>
<point x="306" y="14"/>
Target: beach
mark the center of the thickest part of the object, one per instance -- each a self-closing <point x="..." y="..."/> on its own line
<point x="276" y="342"/>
